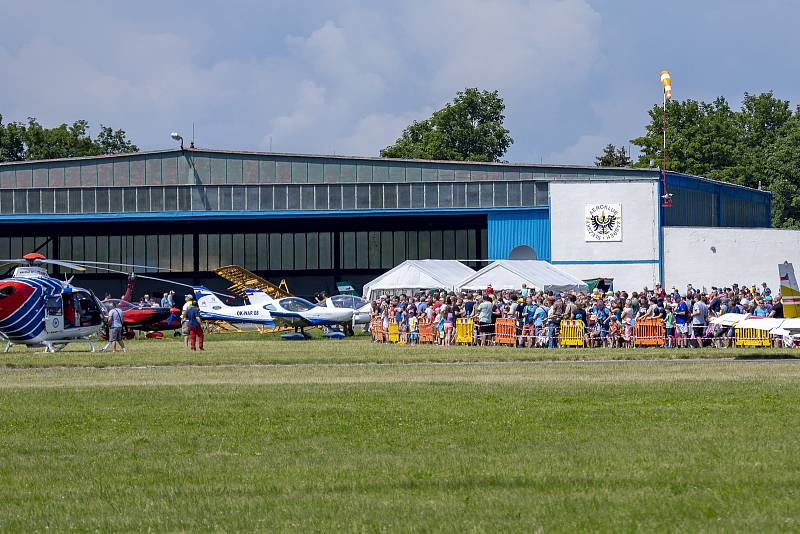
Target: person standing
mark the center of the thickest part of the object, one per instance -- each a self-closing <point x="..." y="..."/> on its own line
<point x="115" y="320"/>
<point x="195" y="327"/>
<point x="184" y="322"/>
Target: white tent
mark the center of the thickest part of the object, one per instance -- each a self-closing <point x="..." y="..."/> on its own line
<point x="511" y="274"/>
<point x="414" y="275"/>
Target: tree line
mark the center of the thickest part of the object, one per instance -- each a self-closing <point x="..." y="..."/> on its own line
<point x="30" y="141"/>
<point x="757" y="145"/>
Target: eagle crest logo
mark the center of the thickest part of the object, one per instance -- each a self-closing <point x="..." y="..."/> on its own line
<point x="603" y="222"/>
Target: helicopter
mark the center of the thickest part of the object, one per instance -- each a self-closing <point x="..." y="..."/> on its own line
<point x="39" y="310"/>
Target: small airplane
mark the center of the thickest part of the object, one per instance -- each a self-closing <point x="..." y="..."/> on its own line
<point x="299" y="313"/>
<point x="361" y="309"/>
<point x="211" y="308"/>
<point x="39" y="310"/>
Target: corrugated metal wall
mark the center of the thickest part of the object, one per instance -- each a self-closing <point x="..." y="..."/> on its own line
<point x="508" y="230"/>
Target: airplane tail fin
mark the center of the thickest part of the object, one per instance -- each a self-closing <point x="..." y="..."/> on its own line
<point x="790" y="292"/>
<point x="204" y="295"/>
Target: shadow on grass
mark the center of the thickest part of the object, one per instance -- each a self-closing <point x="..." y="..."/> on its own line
<point x="764" y="355"/>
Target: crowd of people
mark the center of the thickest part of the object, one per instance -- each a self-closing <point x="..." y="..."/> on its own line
<point x="608" y="318"/>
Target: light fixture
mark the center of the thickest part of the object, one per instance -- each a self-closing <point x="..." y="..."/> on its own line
<point x="176" y="137"/>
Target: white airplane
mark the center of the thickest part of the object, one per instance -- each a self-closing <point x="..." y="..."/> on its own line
<point x="211" y="308"/>
<point x="298" y="312"/>
<point x="361" y="308"/>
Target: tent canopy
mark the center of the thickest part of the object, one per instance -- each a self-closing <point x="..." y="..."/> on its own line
<point x="511" y="274"/>
<point x="413" y="275"/>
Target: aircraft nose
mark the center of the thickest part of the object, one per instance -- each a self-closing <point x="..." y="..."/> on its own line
<point x="12" y="296"/>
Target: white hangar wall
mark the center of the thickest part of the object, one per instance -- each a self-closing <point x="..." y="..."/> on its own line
<point x="633" y="261"/>
<point x="709" y="257"/>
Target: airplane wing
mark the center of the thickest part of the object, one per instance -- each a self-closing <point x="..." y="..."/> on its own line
<point x="242" y="279"/>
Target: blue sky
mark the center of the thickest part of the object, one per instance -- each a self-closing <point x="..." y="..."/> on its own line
<point x="346" y="77"/>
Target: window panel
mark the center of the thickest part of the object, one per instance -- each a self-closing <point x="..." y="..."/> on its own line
<point x="514" y="194"/>
<point x="114" y="249"/>
<point x="403" y="196"/>
<point x="139" y="252"/>
<point x="541" y="193"/>
<point x="299" y="251"/>
<point x="362" y="196"/>
<point x="74" y="200"/>
<point x="251" y="200"/>
<point x="128" y="199"/>
<point x="449" y="245"/>
<point x="362" y="250"/>
<point x="213" y="252"/>
<point x="263" y="252"/>
<point x="325" y="250"/>
<point x="486" y="195"/>
<point x="48" y="201"/>
<point x="265" y="202"/>
<point x="445" y="195"/>
<point x="431" y="195"/>
<point x="170" y="199"/>
<point x="387" y="250"/>
<point x="152" y="251"/>
<point x="399" y="248"/>
<point x="225" y="249"/>
<point x="307" y="197"/>
<point x="500" y="194"/>
<point x="321" y="197"/>
<point x="188" y="252"/>
<point x="528" y="195"/>
<point x="418" y="195"/>
<point x="375" y="195"/>
<point x="176" y="254"/>
<point x="5" y="247"/>
<point x="281" y="195"/>
<point x="143" y="199"/>
<point x="334" y="197"/>
<point x="157" y="199"/>
<point x="20" y="201"/>
<point x="164" y="259"/>
<point x="62" y="202"/>
<point x="101" y="253"/>
<point x="287" y="254"/>
<point x="348" y="197"/>
<point x="390" y="196"/>
<point x="275" y="252"/>
<point x="294" y="197"/>
<point x="412" y="247"/>
<point x="238" y="249"/>
<point x="250" y="252"/>
<point x="347" y="253"/>
<point x="34" y="201"/>
<point x="459" y="195"/>
<point x="424" y="240"/>
<point x="225" y="199"/>
<point x="312" y="250"/>
<point x="202" y="251"/>
<point x="374" y="250"/>
<point x="239" y="200"/>
<point x="436" y="245"/>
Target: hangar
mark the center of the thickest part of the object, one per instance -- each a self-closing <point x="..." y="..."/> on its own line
<point x="315" y="220"/>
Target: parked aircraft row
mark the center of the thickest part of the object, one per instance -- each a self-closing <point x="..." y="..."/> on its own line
<point x="39" y="310"/>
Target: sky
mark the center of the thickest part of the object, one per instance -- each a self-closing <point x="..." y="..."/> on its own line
<point x="345" y="77"/>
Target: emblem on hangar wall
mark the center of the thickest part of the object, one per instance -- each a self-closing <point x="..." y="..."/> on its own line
<point x="603" y="222"/>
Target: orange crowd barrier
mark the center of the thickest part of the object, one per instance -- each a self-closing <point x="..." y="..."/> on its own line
<point x="649" y="333"/>
<point x="376" y="329"/>
<point x="505" y="332"/>
<point x="425" y="331"/>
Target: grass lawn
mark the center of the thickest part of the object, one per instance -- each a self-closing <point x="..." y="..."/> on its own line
<point x="609" y="446"/>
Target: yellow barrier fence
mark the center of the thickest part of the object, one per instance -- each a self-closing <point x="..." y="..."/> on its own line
<point x="394" y="332"/>
<point x="465" y="331"/>
<point x="752" y="337"/>
<point x="571" y="333"/>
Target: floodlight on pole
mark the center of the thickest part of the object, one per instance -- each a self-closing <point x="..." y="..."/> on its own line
<point x="176" y="137"/>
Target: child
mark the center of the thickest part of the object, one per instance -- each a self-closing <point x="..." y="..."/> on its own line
<point x="413" y="329"/>
<point x="669" y="325"/>
<point x="614" y="332"/>
<point x="448" y="328"/>
<point x="403" y="328"/>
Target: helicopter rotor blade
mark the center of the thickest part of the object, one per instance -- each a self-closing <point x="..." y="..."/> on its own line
<point x="160" y="280"/>
<point x="67" y="264"/>
<point x="93" y="263"/>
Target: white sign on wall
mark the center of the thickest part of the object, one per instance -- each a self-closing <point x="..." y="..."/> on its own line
<point x="603" y="222"/>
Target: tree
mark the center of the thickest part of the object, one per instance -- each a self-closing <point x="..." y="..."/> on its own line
<point x="33" y="141"/>
<point x="613" y="157"/>
<point x="470" y="128"/>
<point x="12" y="141"/>
<point x="782" y="173"/>
<point x="759" y="145"/>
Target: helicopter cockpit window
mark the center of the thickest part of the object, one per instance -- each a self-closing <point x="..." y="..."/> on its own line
<point x="7" y="291"/>
<point x="296" y="304"/>
<point x="54" y="305"/>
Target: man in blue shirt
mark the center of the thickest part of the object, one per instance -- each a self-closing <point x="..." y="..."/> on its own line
<point x="681" y="315"/>
<point x="195" y="326"/>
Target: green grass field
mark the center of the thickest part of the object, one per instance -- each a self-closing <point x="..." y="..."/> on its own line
<point x="324" y="436"/>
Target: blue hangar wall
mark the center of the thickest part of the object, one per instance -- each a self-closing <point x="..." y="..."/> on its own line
<point x="311" y="219"/>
